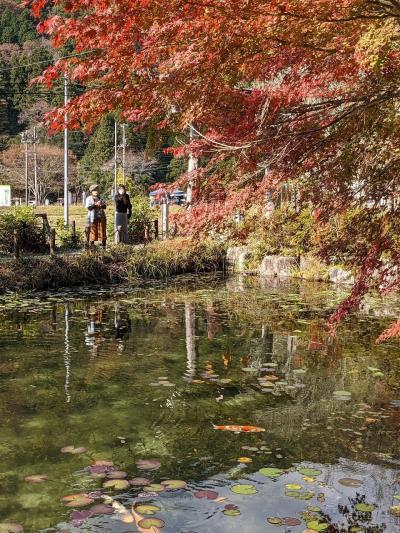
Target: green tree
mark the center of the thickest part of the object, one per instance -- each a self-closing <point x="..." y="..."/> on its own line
<point x="100" y="149"/>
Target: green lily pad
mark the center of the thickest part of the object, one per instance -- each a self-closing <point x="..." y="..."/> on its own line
<point x="10" y="527"/>
<point x="314" y="508"/>
<point x="154" y="487"/>
<point x="395" y="510"/>
<point x="317" y="526"/>
<point x="275" y="520"/>
<point x="77" y="500"/>
<point x="232" y="512"/>
<point x="364" y="507"/>
<point x="244" y="489"/>
<point x="378" y="375"/>
<point x="293" y="487"/>
<point x="342" y="394"/>
<point x="271" y="472"/>
<point x="174" y="484"/>
<point x="147" y="509"/>
<point x="300" y="495"/>
<point x="396" y="496"/>
<point x="349" y="482"/>
<point x="117" y="484"/>
<point x="310" y="472"/>
<point x="148" y="523"/>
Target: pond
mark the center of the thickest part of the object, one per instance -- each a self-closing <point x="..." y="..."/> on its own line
<point x="205" y="405"/>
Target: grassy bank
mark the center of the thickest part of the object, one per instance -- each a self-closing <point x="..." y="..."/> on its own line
<point x="119" y="264"/>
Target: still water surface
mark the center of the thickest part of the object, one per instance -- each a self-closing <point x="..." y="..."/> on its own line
<point x="126" y="376"/>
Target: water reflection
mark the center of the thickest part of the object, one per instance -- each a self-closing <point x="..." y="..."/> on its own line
<point x="145" y="373"/>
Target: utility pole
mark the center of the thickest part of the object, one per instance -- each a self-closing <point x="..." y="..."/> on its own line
<point x="66" y="184"/>
<point x="25" y="141"/>
<point x="35" y="176"/>
<point x="123" y="126"/>
<point x="115" y="157"/>
<point x="192" y="167"/>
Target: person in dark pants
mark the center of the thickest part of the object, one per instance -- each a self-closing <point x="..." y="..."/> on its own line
<point x="123" y="212"/>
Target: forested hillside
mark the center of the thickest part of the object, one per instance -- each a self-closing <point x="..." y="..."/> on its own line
<point x="23" y="56"/>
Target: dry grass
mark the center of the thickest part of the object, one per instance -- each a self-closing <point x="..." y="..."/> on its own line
<point x="120" y="263"/>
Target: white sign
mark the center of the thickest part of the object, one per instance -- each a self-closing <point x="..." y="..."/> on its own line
<point x="5" y="196"/>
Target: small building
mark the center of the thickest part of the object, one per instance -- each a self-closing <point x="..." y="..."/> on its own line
<point x="5" y="196"/>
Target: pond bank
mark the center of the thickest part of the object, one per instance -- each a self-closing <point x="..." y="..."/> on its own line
<point x="119" y="264"/>
<point x="240" y="259"/>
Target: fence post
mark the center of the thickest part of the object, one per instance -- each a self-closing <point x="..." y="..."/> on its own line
<point x="147" y="233"/>
<point x="73" y="230"/>
<point x="16" y="244"/>
<point x="156" y="232"/>
<point x="52" y="241"/>
<point x="165" y="219"/>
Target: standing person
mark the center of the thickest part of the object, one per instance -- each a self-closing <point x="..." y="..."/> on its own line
<point x="96" y="216"/>
<point x="123" y="212"/>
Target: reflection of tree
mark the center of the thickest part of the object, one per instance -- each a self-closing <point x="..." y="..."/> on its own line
<point x="67" y="355"/>
<point x="190" y="328"/>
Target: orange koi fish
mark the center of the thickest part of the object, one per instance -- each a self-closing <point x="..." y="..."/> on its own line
<point x="240" y="429"/>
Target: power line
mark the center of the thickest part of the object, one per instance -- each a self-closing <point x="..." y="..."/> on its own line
<point x="48" y="61"/>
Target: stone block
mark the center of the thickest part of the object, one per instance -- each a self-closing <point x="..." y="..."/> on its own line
<point x="278" y="266"/>
<point x="340" y="275"/>
<point x="236" y="257"/>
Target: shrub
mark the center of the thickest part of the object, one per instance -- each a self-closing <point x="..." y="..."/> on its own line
<point x="67" y="240"/>
<point x="142" y="215"/>
<point x="284" y="233"/>
<point x="32" y="237"/>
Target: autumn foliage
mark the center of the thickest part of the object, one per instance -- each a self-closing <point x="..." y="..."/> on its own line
<point x="278" y="91"/>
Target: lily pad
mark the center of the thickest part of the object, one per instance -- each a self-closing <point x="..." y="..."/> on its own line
<point x="245" y="460"/>
<point x="206" y="494"/>
<point x="396" y="496"/>
<point x="117" y="474"/>
<point x="154" y="487"/>
<point x="102" y="509"/>
<point x="77" y="500"/>
<point x="349" y="482"/>
<point x="271" y="472"/>
<point x="10" y="527"/>
<point x="291" y="521"/>
<point x="342" y="395"/>
<point x="36" y="479"/>
<point x="73" y="450"/>
<point x="314" y="508"/>
<point x="139" y="482"/>
<point x="230" y="507"/>
<point x="232" y="512"/>
<point x="293" y="487"/>
<point x="148" y="464"/>
<point x="244" y="489"/>
<point x="174" y="484"/>
<point x="310" y="472"/>
<point x="147" y="509"/>
<point x="80" y="515"/>
<point x="117" y="484"/>
<point x="275" y="520"/>
<point x="148" y="523"/>
<point x="394" y="510"/>
<point x="317" y="526"/>
<point x="364" y="507"/>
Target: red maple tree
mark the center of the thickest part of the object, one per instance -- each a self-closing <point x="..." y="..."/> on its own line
<point x="278" y="90"/>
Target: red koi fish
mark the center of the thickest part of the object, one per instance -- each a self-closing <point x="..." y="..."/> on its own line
<point x="240" y="429"/>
